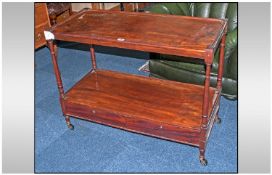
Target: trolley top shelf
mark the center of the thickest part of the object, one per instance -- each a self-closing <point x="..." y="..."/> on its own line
<point x="167" y="34"/>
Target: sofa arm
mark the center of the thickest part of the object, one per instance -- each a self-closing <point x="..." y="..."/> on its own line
<point x="170" y="8"/>
<point x="157" y="8"/>
<point x="230" y="45"/>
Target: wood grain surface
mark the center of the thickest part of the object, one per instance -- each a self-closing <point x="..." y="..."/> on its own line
<point x="161" y="101"/>
<point x="170" y="34"/>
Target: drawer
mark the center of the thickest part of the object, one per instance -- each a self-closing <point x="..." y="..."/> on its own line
<point x="107" y="118"/>
<point x="39" y="38"/>
<point x="95" y="115"/>
<point x="41" y="14"/>
<point x="162" y="130"/>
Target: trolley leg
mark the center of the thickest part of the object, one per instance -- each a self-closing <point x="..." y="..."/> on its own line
<point x="205" y="113"/>
<point x="93" y="57"/>
<point x="220" y="72"/>
<point x="53" y="48"/>
<point x="68" y="122"/>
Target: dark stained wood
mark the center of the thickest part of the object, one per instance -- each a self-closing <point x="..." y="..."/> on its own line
<point x="93" y="57"/>
<point x="187" y="36"/>
<point x="205" y="108"/>
<point x="221" y="62"/>
<point x="130" y="102"/>
<point x="161" y="108"/>
<point x="221" y="67"/>
<point x="52" y="47"/>
<point x="129" y="95"/>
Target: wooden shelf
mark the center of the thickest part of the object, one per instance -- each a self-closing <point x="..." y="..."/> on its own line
<point x="187" y="36"/>
<point x="166" y="109"/>
<point x="136" y="97"/>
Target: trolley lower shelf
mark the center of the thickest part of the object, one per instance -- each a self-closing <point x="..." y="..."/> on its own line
<point x="161" y="108"/>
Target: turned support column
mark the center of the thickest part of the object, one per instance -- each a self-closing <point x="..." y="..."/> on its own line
<point x="220" y="73"/>
<point x="53" y="48"/>
<point x="221" y="63"/>
<point x="93" y="57"/>
<point x="205" y="108"/>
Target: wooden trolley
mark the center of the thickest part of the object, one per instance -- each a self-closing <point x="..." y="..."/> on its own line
<point x="166" y="109"/>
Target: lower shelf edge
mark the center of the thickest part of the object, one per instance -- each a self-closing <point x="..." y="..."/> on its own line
<point x="166" y="132"/>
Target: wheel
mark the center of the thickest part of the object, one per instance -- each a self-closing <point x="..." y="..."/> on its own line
<point x="218" y="120"/>
<point x="204" y="162"/>
<point x="71" y="127"/>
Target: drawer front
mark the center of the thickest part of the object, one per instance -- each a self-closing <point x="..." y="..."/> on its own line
<point x="107" y="118"/>
<point x="134" y="124"/>
<point x="41" y="14"/>
<point x="162" y="130"/>
<point x="39" y="36"/>
<point x="95" y="115"/>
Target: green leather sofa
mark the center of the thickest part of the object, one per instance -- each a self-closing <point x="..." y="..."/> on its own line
<point x="166" y="67"/>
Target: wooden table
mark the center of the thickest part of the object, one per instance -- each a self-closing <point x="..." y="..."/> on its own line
<point x="170" y="110"/>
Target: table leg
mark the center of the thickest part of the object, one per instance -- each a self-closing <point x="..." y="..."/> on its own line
<point x="93" y="57"/>
<point x="53" y="48"/>
<point x="205" y="113"/>
<point x="220" y="72"/>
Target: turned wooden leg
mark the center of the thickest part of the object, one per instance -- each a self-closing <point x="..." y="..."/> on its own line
<point x="53" y="48"/>
<point x="220" y="72"/>
<point x="68" y="122"/>
<point x="93" y="57"/>
<point x="205" y="110"/>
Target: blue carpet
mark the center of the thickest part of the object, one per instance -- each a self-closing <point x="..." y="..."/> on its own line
<point x="96" y="148"/>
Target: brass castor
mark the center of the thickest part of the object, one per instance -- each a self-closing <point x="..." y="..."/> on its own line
<point x="203" y="162"/>
<point x="218" y="120"/>
<point x="70" y="126"/>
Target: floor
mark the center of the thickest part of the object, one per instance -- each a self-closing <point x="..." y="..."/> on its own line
<point x="96" y="148"/>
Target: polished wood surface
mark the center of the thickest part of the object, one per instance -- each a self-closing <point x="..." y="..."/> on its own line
<point x="170" y="110"/>
<point x="151" y="99"/>
<point x="155" y="107"/>
<point x="178" y="35"/>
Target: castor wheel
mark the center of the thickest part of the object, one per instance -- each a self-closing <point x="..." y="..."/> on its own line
<point x="71" y="127"/>
<point x="204" y="162"/>
<point x="218" y="120"/>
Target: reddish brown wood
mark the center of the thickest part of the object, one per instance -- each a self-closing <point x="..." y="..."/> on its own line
<point x="170" y="110"/>
<point x="93" y="57"/>
<point x="221" y="62"/>
<point x="53" y="53"/>
<point x="220" y="68"/>
<point x="131" y="100"/>
<point x="205" y="115"/>
<point x="187" y="36"/>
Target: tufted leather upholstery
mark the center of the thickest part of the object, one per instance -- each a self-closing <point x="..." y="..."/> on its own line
<point x="194" y="71"/>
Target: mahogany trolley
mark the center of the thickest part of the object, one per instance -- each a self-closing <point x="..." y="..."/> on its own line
<point x="166" y="109"/>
